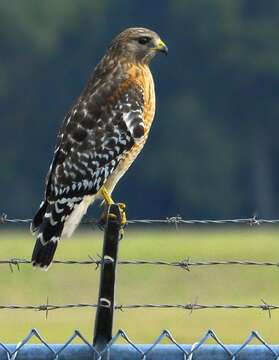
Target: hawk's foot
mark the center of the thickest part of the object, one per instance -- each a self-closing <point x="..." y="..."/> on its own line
<point x="104" y="217"/>
<point x="109" y="201"/>
<point x="123" y="221"/>
<point x="122" y="208"/>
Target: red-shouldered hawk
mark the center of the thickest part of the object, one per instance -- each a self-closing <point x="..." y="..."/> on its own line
<point x="100" y="138"/>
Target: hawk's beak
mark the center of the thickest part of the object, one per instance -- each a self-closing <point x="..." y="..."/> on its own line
<point x="161" y="47"/>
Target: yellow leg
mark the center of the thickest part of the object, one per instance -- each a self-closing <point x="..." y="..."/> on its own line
<point x="107" y="197"/>
<point x="109" y="201"/>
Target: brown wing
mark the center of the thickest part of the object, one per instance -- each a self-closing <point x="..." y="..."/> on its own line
<point x="96" y="134"/>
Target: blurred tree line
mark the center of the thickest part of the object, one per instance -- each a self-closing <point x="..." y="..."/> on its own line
<point x="213" y="150"/>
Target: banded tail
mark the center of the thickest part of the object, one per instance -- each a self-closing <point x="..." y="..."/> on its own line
<point x="48" y="225"/>
<point x="51" y="222"/>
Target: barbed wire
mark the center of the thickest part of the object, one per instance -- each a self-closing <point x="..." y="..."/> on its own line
<point x="175" y="220"/>
<point x="184" y="264"/>
<point x="189" y="306"/>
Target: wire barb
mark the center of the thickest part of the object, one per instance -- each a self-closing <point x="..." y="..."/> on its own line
<point x="3" y="218"/>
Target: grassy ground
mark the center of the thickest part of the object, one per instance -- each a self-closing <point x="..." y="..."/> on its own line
<point x="144" y="284"/>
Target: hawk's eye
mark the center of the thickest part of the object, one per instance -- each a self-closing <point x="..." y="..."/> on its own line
<point x="144" y="40"/>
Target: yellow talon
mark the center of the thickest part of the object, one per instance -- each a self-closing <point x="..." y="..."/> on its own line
<point x="123" y="214"/>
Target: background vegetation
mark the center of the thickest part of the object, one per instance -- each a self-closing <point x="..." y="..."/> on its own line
<point x="213" y="150"/>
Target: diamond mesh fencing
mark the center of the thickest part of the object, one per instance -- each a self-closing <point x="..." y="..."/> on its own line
<point x="217" y="350"/>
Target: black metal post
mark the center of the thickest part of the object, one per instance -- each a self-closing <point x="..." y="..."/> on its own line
<point x="105" y="310"/>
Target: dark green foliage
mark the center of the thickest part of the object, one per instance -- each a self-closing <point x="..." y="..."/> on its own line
<point x="213" y="150"/>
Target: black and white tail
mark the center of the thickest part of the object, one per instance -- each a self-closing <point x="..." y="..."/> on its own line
<point x="48" y="225"/>
<point x="53" y="220"/>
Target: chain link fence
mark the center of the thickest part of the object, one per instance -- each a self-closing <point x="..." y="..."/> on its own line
<point x="217" y="350"/>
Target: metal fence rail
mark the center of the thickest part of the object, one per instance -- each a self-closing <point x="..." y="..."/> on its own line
<point x="161" y="352"/>
<point x="130" y="351"/>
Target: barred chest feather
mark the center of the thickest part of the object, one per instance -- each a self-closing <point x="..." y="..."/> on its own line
<point x="143" y="77"/>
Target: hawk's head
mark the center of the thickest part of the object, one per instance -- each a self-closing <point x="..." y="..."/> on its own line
<point x="138" y="44"/>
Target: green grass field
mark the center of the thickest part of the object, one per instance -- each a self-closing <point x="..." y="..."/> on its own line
<point x="147" y="284"/>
